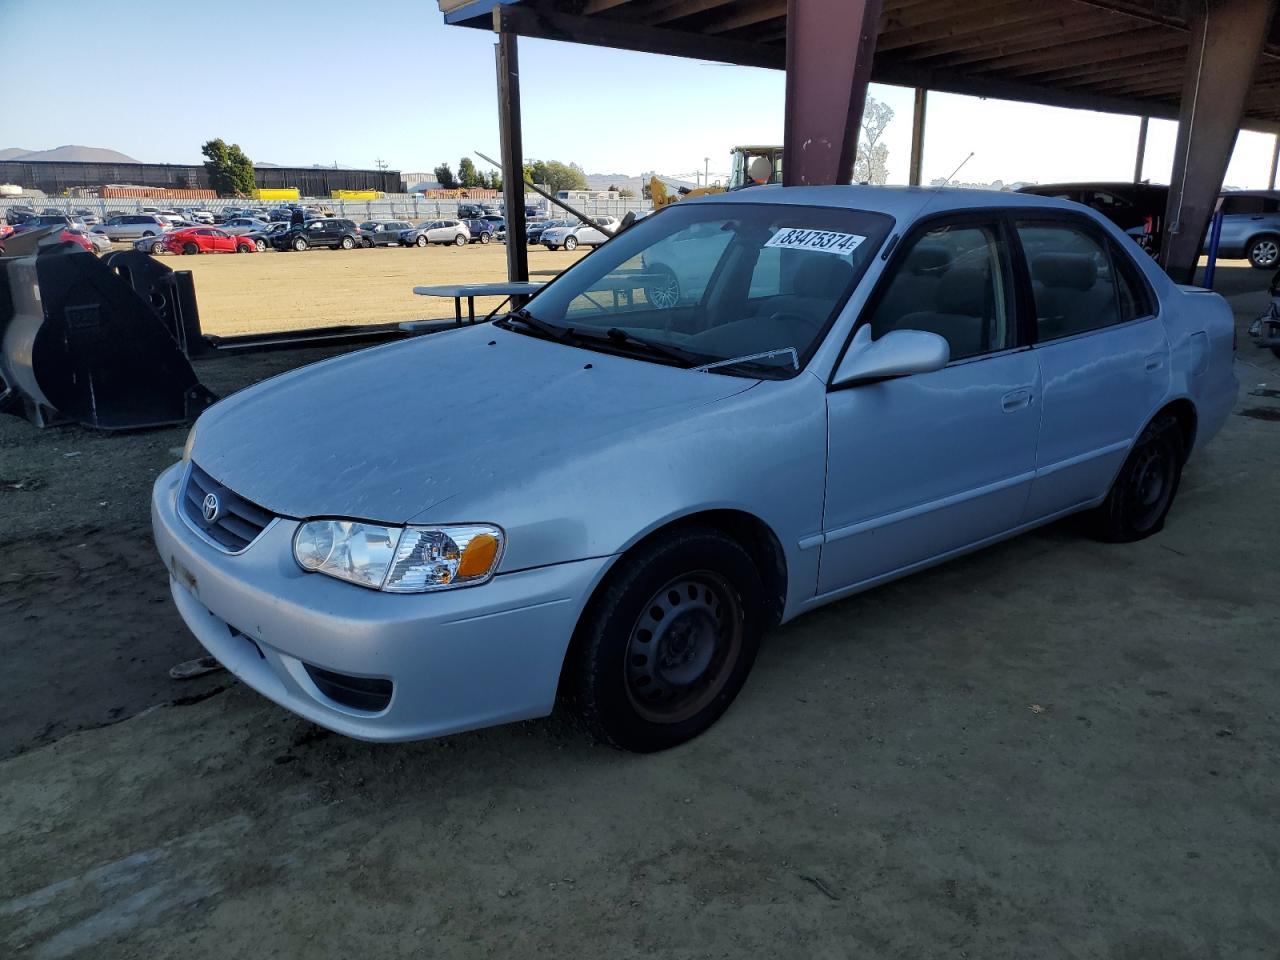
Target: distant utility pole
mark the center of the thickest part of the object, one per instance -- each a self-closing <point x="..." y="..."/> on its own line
<point x="380" y="164"/>
<point x="706" y="171"/>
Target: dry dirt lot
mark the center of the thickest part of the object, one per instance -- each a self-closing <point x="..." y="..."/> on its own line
<point x="1053" y="748"/>
<point x="253" y="293"/>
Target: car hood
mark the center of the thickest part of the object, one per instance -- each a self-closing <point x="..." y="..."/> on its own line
<point x="388" y="432"/>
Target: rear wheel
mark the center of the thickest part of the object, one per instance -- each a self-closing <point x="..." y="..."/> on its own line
<point x="460" y="241"/>
<point x="570" y="243"/>
<point x="668" y="641"/>
<point x="485" y="238"/>
<point x="190" y="248"/>
<point x="1264" y="252"/>
<point x="422" y="240"/>
<point x="1144" y="489"/>
<point x="347" y="243"/>
<point x="663" y="291"/>
<point x="299" y="243"/>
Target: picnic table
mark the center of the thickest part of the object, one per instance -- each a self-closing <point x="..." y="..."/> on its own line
<point x="469" y="291"/>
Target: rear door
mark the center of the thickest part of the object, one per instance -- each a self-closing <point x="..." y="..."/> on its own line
<point x="1102" y="352"/>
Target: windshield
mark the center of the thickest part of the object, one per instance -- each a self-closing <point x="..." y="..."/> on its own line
<point x="717" y="281"/>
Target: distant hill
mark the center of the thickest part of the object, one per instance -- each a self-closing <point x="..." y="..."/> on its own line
<point x="71" y="153"/>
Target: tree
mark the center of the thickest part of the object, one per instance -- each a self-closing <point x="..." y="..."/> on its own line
<point x="468" y="176"/>
<point x="871" y="164"/>
<point x="555" y="175"/>
<point x="495" y="180"/>
<point x="230" y="171"/>
<point x="444" y="174"/>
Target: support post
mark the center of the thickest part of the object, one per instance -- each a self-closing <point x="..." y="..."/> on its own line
<point x="1141" y="154"/>
<point x="508" y="62"/>
<point x="917" y="137"/>
<point x="830" y="44"/>
<point x="1226" y="37"/>
<point x="1275" y="160"/>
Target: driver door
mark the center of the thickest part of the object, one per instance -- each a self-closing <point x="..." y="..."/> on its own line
<point x="927" y="465"/>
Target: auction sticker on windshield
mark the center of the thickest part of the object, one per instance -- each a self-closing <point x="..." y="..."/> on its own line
<point x="824" y="241"/>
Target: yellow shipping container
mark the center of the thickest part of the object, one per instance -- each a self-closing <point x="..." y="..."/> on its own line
<point x="277" y="193"/>
<point x="355" y="194"/>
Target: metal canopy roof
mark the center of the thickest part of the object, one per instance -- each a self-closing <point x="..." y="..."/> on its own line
<point x="1121" y="56"/>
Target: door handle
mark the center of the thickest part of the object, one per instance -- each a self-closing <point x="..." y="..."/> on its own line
<point x="1154" y="362"/>
<point x="1015" y="400"/>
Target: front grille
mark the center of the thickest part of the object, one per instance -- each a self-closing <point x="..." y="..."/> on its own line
<point x="236" y="523"/>
<point x="358" y="693"/>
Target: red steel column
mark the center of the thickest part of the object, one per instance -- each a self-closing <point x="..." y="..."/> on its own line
<point x="830" y="44"/>
<point x="1227" y="37"/>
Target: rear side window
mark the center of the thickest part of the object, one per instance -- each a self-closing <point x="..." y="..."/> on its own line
<point x="1071" y="279"/>
<point x="1135" y="296"/>
<point x="954" y="281"/>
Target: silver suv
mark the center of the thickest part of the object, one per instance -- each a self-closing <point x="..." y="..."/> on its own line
<point x="134" y="226"/>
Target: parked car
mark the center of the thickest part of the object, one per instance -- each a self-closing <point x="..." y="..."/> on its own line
<point x="384" y="233"/>
<point x="194" y="240"/>
<point x="444" y="232"/>
<point x="133" y="226"/>
<point x="533" y="232"/>
<point x="869" y="385"/>
<point x="50" y="220"/>
<point x="88" y="217"/>
<point x="72" y="235"/>
<point x="1136" y="208"/>
<point x="17" y="214"/>
<point x="262" y="239"/>
<point x="588" y="234"/>
<point x="240" y="225"/>
<point x="100" y="241"/>
<point x="481" y="230"/>
<point x="202" y="217"/>
<point x="332" y="232"/>
<point x="152" y="245"/>
<point x="279" y="215"/>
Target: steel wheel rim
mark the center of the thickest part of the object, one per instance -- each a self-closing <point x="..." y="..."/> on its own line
<point x="1266" y="252"/>
<point x="1150" y="484"/>
<point x="683" y="647"/>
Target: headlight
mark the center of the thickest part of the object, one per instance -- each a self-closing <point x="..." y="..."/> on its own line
<point x="400" y="559"/>
<point x="191" y="442"/>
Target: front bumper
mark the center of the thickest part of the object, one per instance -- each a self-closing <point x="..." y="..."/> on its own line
<point x="457" y="659"/>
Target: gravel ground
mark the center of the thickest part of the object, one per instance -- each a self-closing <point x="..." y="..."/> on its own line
<point x="1052" y="748"/>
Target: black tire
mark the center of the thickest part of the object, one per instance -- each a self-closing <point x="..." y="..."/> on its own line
<point x="190" y="248"/>
<point x="1144" y="488"/>
<point x="570" y="242"/>
<point x="706" y="592"/>
<point x="663" y="291"/>
<point x="422" y="240"/>
<point x="460" y="241"/>
<point x="347" y="243"/>
<point x="243" y="248"/>
<point x="299" y="243"/>
<point x="485" y="238"/>
<point x="1264" y="252"/>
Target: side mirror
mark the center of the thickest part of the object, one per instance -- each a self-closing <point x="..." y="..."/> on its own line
<point x="899" y="353"/>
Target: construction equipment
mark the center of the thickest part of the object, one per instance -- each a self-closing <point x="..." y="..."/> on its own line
<point x="82" y="342"/>
<point x="752" y="166"/>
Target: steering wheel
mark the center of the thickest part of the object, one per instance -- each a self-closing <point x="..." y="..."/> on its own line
<point x="808" y="324"/>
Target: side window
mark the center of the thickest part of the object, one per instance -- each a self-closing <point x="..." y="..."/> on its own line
<point x="1131" y="289"/>
<point x="1070" y="278"/>
<point x="954" y="281"/>
<point x="1241" y="204"/>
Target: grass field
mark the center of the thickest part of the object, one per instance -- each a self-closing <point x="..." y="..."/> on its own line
<point x="255" y="293"/>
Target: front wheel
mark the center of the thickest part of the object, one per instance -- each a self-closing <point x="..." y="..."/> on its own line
<point x="460" y="241"/>
<point x="244" y="248"/>
<point x="570" y="243"/>
<point x="1264" y="253"/>
<point x="1144" y="489"/>
<point x="299" y="244"/>
<point x="422" y="241"/>
<point x="157" y="248"/>
<point x="663" y="289"/>
<point x="260" y="245"/>
<point x="668" y="641"/>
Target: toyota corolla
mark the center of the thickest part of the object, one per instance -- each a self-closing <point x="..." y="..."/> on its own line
<point x="608" y="498"/>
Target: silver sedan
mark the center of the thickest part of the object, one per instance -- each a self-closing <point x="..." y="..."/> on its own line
<point x="609" y="498"/>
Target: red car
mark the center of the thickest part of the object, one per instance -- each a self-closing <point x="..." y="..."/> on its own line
<point x="67" y="236"/>
<point x="207" y="240"/>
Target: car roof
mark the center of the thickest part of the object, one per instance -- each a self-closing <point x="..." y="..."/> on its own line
<point x="901" y="203"/>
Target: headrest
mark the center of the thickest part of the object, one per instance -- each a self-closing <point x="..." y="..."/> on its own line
<point x="928" y="258"/>
<point x="963" y="291"/>
<point x="1076" y="271"/>
<point x="822" y="275"/>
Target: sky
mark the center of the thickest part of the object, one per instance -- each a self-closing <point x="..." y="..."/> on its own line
<point x="409" y="91"/>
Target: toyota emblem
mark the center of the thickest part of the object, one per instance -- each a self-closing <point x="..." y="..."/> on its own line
<point x="211" y="507"/>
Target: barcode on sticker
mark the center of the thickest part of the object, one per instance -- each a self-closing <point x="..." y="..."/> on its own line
<point x="824" y="241"/>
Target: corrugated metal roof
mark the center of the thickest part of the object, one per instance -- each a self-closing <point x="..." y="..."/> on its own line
<point x="1116" y="55"/>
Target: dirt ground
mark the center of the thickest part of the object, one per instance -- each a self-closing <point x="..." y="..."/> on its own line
<point x="1052" y="748"/>
<point x="252" y="293"/>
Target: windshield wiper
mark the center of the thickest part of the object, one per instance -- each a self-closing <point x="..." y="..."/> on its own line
<point x="528" y="320"/>
<point x="685" y="358"/>
<point x="753" y="359"/>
